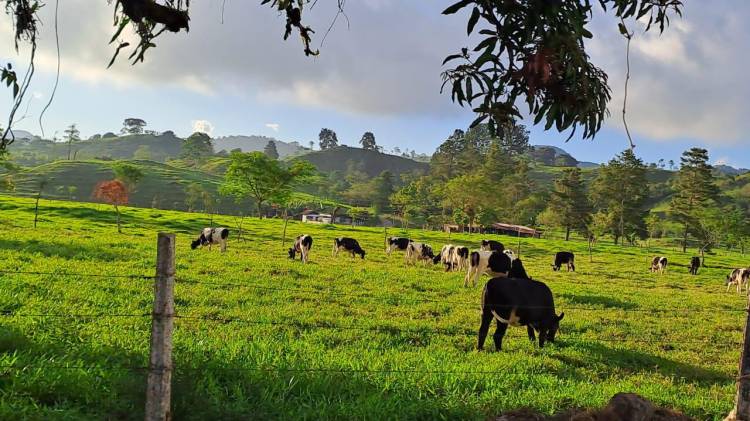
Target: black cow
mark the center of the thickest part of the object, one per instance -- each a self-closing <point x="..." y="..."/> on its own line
<point x="397" y="243"/>
<point x="419" y="251"/>
<point x="564" y="257"/>
<point x="695" y="263"/>
<point x="517" y="270"/>
<point x="492" y="245"/>
<point x="518" y="302"/>
<point x="211" y="236"/>
<point x="460" y="257"/>
<point x="302" y="245"/>
<point x="349" y="244"/>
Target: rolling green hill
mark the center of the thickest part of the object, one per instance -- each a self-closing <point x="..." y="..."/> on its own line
<point x="371" y="162"/>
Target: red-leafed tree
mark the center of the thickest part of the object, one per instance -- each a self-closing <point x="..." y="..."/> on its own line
<point x="113" y="192"/>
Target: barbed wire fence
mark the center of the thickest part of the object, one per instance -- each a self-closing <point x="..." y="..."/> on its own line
<point x="159" y="369"/>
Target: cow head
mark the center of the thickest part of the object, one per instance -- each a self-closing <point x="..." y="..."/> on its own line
<point x="555" y="267"/>
<point x="291" y="253"/>
<point x="437" y="259"/>
<point x="362" y="254"/>
<point x="554" y="326"/>
<point x="198" y="242"/>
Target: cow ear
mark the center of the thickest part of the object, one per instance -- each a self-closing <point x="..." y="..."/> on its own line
<point x="560" y="317"/>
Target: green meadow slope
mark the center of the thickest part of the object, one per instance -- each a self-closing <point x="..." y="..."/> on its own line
<point x="259" y="336"/>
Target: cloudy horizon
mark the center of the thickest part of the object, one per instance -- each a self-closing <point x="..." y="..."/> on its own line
<point x="379" y="74"/>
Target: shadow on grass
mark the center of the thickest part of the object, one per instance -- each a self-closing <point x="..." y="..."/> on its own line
<point x="68" y="251"/>
<point x="631" y="362"/>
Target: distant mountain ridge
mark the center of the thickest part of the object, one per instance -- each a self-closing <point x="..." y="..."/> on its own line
<point x="258" y="143"/>
<point x="371" y="162"/>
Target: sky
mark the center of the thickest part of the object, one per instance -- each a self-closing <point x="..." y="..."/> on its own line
<point x="379" y="70"/>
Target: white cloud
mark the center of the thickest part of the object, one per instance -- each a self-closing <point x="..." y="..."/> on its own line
<point x="724" y="160"/>
<point x="204" y="126"/>
<point x="273" y="126"/>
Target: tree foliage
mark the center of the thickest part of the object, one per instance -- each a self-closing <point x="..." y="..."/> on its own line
<point x="619" y="194"/>
<point x="694" y="190"/>
<point x="133" y="126"/>
<point x="264" y="179"/>
<point x="533" y="52"/>
<point x="327" y="139"/>
<point x="197" y="148"/>
<point x="569" y="203"/>
<point x="115" y="193"/>
<point x="368" y="141"/>
<point x="128" y="174"/>
<point x="270" y="150"/>
<point x="72" y="134"/>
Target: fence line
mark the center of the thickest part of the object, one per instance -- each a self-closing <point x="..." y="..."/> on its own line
<point x="461" y="303"/>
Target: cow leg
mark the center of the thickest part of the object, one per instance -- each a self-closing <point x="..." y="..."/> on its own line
<point x="530" y="331"/>
<point x="499" y="333"/>
<point x="484" y="328"/>
<point x="223" y="246"/>
<point x="466" y="278"/>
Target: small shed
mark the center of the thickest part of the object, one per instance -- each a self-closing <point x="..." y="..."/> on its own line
<point x="514" y="230"/>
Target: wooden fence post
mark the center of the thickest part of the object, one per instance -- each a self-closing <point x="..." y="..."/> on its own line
<point x="741" y="411"/>
<point x="159" y="387"/>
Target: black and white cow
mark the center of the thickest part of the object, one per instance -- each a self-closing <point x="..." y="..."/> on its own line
<point x="419" y="252"/>
<point x="659" y="264"/>
<point x="491" y="263"/>
<point x="446" y="257"/>
<point x="460" y="258"/>
<point x="564" y="257"/>
<point x="695" y="263"/>
<point x="347" y="244"/>
<point x="509" y="253"/>
<point x="517" y="302"/>
<point x="739" y="277"/>
<point x="491" y="245"/>
<point x="302" y="245"/>
<point x="397" y="243"/>
<point x="212" y="236"/>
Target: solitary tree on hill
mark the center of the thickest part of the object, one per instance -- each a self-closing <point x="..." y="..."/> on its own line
<point x="197" y="147"/>
<point x="133" y="126"/>
<point x="328" y="139"/>
<point x="72" y="135"/>
<point x="368" y="141"/>
<point x="270" y="150"/>
<point x="695" y="190"/>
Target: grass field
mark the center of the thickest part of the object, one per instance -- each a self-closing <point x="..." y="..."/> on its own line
<point x="340" y="338"/>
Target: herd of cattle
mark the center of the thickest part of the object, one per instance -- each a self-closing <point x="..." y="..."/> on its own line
<point x="510" y="297"/>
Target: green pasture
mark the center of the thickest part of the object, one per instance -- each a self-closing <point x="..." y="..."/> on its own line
<point x="259" y="336"/>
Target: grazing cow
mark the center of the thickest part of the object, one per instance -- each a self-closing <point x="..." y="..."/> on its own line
<point x="302" y="245"/>
<point x="492" y="245"/>
<point x="397" y="243"/>
<point x="212" y="236"/>
<point x="739" y="277"/>
<point x="564" y="257"/>
<point x="518" y="302"/>
<point x="695" y="263"/>
<point x="489" y="262"/>
<point x="460" y="258"/>
<point x="348" y="244"/>
<point x="446" y="257"/>
<point x="659" y="264"/>
<point x="419" y="251"/>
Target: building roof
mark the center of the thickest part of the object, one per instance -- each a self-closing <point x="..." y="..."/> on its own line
<point x="516" y="228"/>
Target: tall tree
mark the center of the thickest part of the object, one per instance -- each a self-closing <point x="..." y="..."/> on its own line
<point x="129" y="174"/>
<point x="197" y="148"/>
<point x="468" y="195"/>
<point x="72" y="134"/>
<point x="619" y="193"/>
<point x="368" y="141"/>
<point x="415" y="200"/>
<point x="133" y="126"/>
<point x="694" y="190"/>
<point x="445" y="161"/>
<point x="328" y="139"/>
<point x="382" y="189"/>
<point x="514" y="139"/>
<point x="570" y="203"/>
<point x="270" y="150"/>
<point x="257" y="176"/>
